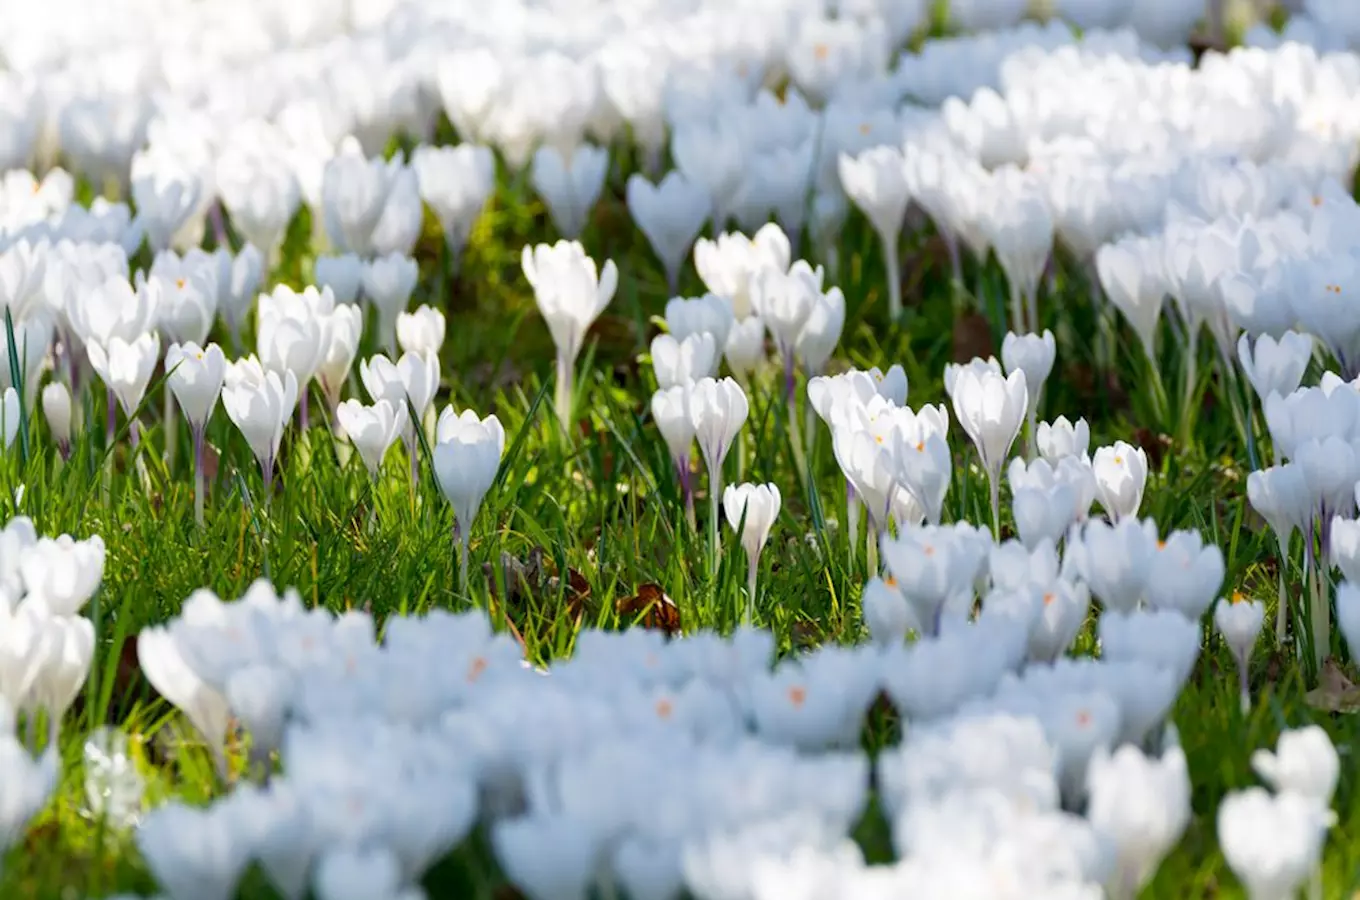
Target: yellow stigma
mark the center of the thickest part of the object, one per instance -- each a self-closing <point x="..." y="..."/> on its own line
<point x="179" y="283"/>
<point x="664" y="708"/>
<point x="1237" y="597"/>
<point x="890" y="581"/>
<point x="1049" y="598"/>
<point x="865" y="128"/>
<point x="1083" y="718"/>
<point x="797" y="695"/>
<point x="821" y="51"/>
<point x="1119" y="460"/>
<point x="929" y="550"/>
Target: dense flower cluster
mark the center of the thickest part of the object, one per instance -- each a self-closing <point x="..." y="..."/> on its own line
<point x="1025" y="769"/>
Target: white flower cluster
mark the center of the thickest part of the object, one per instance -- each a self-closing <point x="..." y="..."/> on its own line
<point x="702" y="763"/>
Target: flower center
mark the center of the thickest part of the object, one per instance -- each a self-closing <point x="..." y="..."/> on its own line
<point x="664" y="708"/>
<point x="179" y="283"/>
<point x="1049" y="598"/>
<point x="797" y="695"/>
<point x="821" y="51"/>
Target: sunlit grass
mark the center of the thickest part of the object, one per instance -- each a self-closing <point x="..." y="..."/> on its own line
<point x="578" y="522"/>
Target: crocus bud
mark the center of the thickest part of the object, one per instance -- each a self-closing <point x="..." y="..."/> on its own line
<point x="1032" y="354"/>
<point x="1304" y="762"/>
<point x="196" y="375"/>
<point x="467" y="453"/>
<point x="991" y="409"/>
<point x="56" y="404"/>
<point x="569" y="188"/>
<point x="1239" y="620"/>
<point x="1141" y="806"/>
<point x="1121" y="475"/>
<point x="759" y="504"/>
<point x="194" y="852"/>
<point x="125" y="367"/>
<point x="676" y="362"/>
<point x="342" y="274"/>
<point x="455" y="183"/>
<point x="709" y="313"/>
<point x="1275" y="366"/>
<point x="371" y="429"/>
<point x="886" y="612"/>
<point x="822" y="331"/>
<point x="1063" y="438"/>
<point x="388" y="283"/>
<point x="1272" y="842"/>
<point x="670" y="215"/>
<point x="421" y="331"/>
<point x="717" y="410"/>
<point x="746" y="345"/>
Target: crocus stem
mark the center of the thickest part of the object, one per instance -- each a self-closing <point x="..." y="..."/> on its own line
<point x="461" y="537"/>
<point x="871" y="551"/>
<point x="267" y="471"/>
<point x="686" y="490"/>
<point x="171" y="430"/>
<point x="741" y="455"/>
<point x="1031" y="297"/>
<point x="1282" y="606"/>
<point x="1321" y="616"/>
<point x="1159" y="400"/>
<point x="752" y="571"/>
<point x="413" y="454"/>
<point x="198" y="475"/>
<point x="1243" y="688"/>
<point x="994" y="483"/>
<point x="951" y="244"/>
<point x="1032" y="430"/>
<point x="372" y="518"/>
<point x="1017" y="311"/>
<point x="894" y="267"/>
<point x="111" y="418"/>
<point x="796" y="442"/>
<point x="810" y="433"/>
<point x="303" y="408"/>
<point x="714" y="497"/>
<point x="1191" y="377"/>
<point x="852" y="520"/>
<point x="562" y="394"/>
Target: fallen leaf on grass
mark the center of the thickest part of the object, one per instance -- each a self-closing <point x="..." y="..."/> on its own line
<point x="1335" y="692"/>
<point x="655" y="609"/>
<point x="535" y="578"/>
